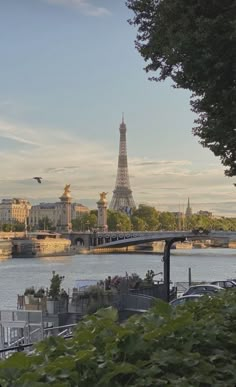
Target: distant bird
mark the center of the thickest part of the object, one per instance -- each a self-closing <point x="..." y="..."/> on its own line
<point x="38" y="179"/>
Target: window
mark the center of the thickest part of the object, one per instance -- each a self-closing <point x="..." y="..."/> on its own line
<point x="229" y="284"/>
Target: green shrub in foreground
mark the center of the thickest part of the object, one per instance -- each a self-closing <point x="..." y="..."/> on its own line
<point x="193" y="345"/>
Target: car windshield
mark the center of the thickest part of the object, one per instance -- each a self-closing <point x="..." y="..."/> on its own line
<point x="201" y="289"/>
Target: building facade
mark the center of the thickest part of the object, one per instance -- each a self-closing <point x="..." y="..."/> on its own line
<point x="43" y="211"/>
<point x="14" y="210"/>
<point x="53" y="213"/>
<point x="78" y="209"/>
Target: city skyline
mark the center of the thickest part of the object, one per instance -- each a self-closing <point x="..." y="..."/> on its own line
<point x="69" y="69"/>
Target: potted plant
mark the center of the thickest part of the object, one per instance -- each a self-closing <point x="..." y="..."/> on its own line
<point x="29" y="294"/>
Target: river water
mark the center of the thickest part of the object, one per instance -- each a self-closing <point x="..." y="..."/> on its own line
<point x="18" y="274"/>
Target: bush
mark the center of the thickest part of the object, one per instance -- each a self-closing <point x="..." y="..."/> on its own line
<point x="29" y="291"/>
<point x="40" y="293"/>
<point x="188" y="346"/>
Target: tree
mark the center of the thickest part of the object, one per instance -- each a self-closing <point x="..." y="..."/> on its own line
<point x="55" y="286"/>
<point x="197" y="221"/>
<point x="14" y="226"/>
<point x="118" y="221"/>
<point x="138" y="223"/>
<point x="45" y="223"/>
<point x="6" y="227"/>
<point x="149" y="215"/>
<point x="193" y="43"/>
<point x="167" y="221"/>
<point x="85" y="222"/>
<point x="18" y="227"/>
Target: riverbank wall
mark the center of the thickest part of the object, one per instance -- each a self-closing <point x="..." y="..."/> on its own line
<point x="5" y="249"/>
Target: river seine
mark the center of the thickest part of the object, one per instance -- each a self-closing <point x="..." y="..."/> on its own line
<point x="18" y="274"/>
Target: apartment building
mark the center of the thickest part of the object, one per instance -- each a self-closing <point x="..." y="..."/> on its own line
<point x="53" y="212"/>
<point x="14" y="210"/>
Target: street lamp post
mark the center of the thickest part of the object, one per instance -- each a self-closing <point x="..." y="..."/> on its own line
<point x="26" y="219"/>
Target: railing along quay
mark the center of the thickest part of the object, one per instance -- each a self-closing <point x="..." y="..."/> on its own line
<point x="19" y="345"/>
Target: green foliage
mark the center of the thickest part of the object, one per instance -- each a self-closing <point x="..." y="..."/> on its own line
<point x="210" y="223"/>
<point x="29" y="291"/>
<point x="55" y="286"/>
<point x="187" y="346"/>
<point x="149" y="215"/>
<point x="149" y="276"/>
<point x="118" y="221"/>
<point x="16" y="227"/>
<point x="6" y="227"/>
<point x="193" y="43"/>
<point x="138" y="223"/>
<point x="147" y="218"/>
<point x="45" y="224"/>
<point x="85" y="222"/>
<point x="168" y="221"/>
<point x="40" y="293"/>
<point x="95" y="291"/>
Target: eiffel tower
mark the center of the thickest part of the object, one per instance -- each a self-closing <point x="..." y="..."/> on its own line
<point x="122" y="199"/>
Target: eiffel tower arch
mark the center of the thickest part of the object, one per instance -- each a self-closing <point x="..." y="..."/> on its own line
<point x="122" y="199"/>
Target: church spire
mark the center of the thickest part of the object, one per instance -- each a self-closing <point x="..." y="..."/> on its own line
<point x="188" y="212"/>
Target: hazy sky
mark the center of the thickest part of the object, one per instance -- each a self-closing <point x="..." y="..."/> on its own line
<point x="68" y="70"/>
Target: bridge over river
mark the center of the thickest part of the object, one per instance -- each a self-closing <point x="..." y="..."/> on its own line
<point x="95" y="239"/>
<point x="103" y="240"/>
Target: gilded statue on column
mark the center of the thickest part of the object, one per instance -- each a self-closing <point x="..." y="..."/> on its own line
<point x="67" y="189"/>
<point x="103" y="196"/>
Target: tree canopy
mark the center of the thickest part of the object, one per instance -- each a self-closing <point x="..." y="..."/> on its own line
<point x="147" y="218"/>
<point x="45" y="224"/>
<point x="85" y="222"/>
<point x="118" y="221"/>
<point x="148" y="215"/>
<point x="187" y="346"/>
<point x="193" y="43"/>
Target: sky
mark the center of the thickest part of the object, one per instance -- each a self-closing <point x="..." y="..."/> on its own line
<point x="68" y="70"/>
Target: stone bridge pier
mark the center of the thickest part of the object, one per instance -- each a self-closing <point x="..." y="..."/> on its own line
<point x="81" y="239"/>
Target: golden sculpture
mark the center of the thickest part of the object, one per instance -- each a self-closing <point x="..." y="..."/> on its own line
<point x="103" y="196"/>
<point x="67" y="189"/>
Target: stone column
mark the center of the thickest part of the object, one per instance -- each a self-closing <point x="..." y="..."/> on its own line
<point x="102" y="212"/>
<point x="65" y="224"/>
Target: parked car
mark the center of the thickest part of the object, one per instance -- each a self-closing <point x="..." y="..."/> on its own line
<point x="232" y="279"/>
<point x="203" y="289"/>
<point x="182" y="300"/>
<point x="225" y="284"/>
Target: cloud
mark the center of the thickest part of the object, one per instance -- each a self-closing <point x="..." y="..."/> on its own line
<point x="146" y="163"/>
<point x="61" y="169"/>
<point x="90" y="167"/>
<point x="11" y="132"/>
<point x="15" y="138"/>
<point x="84" y="6"/>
